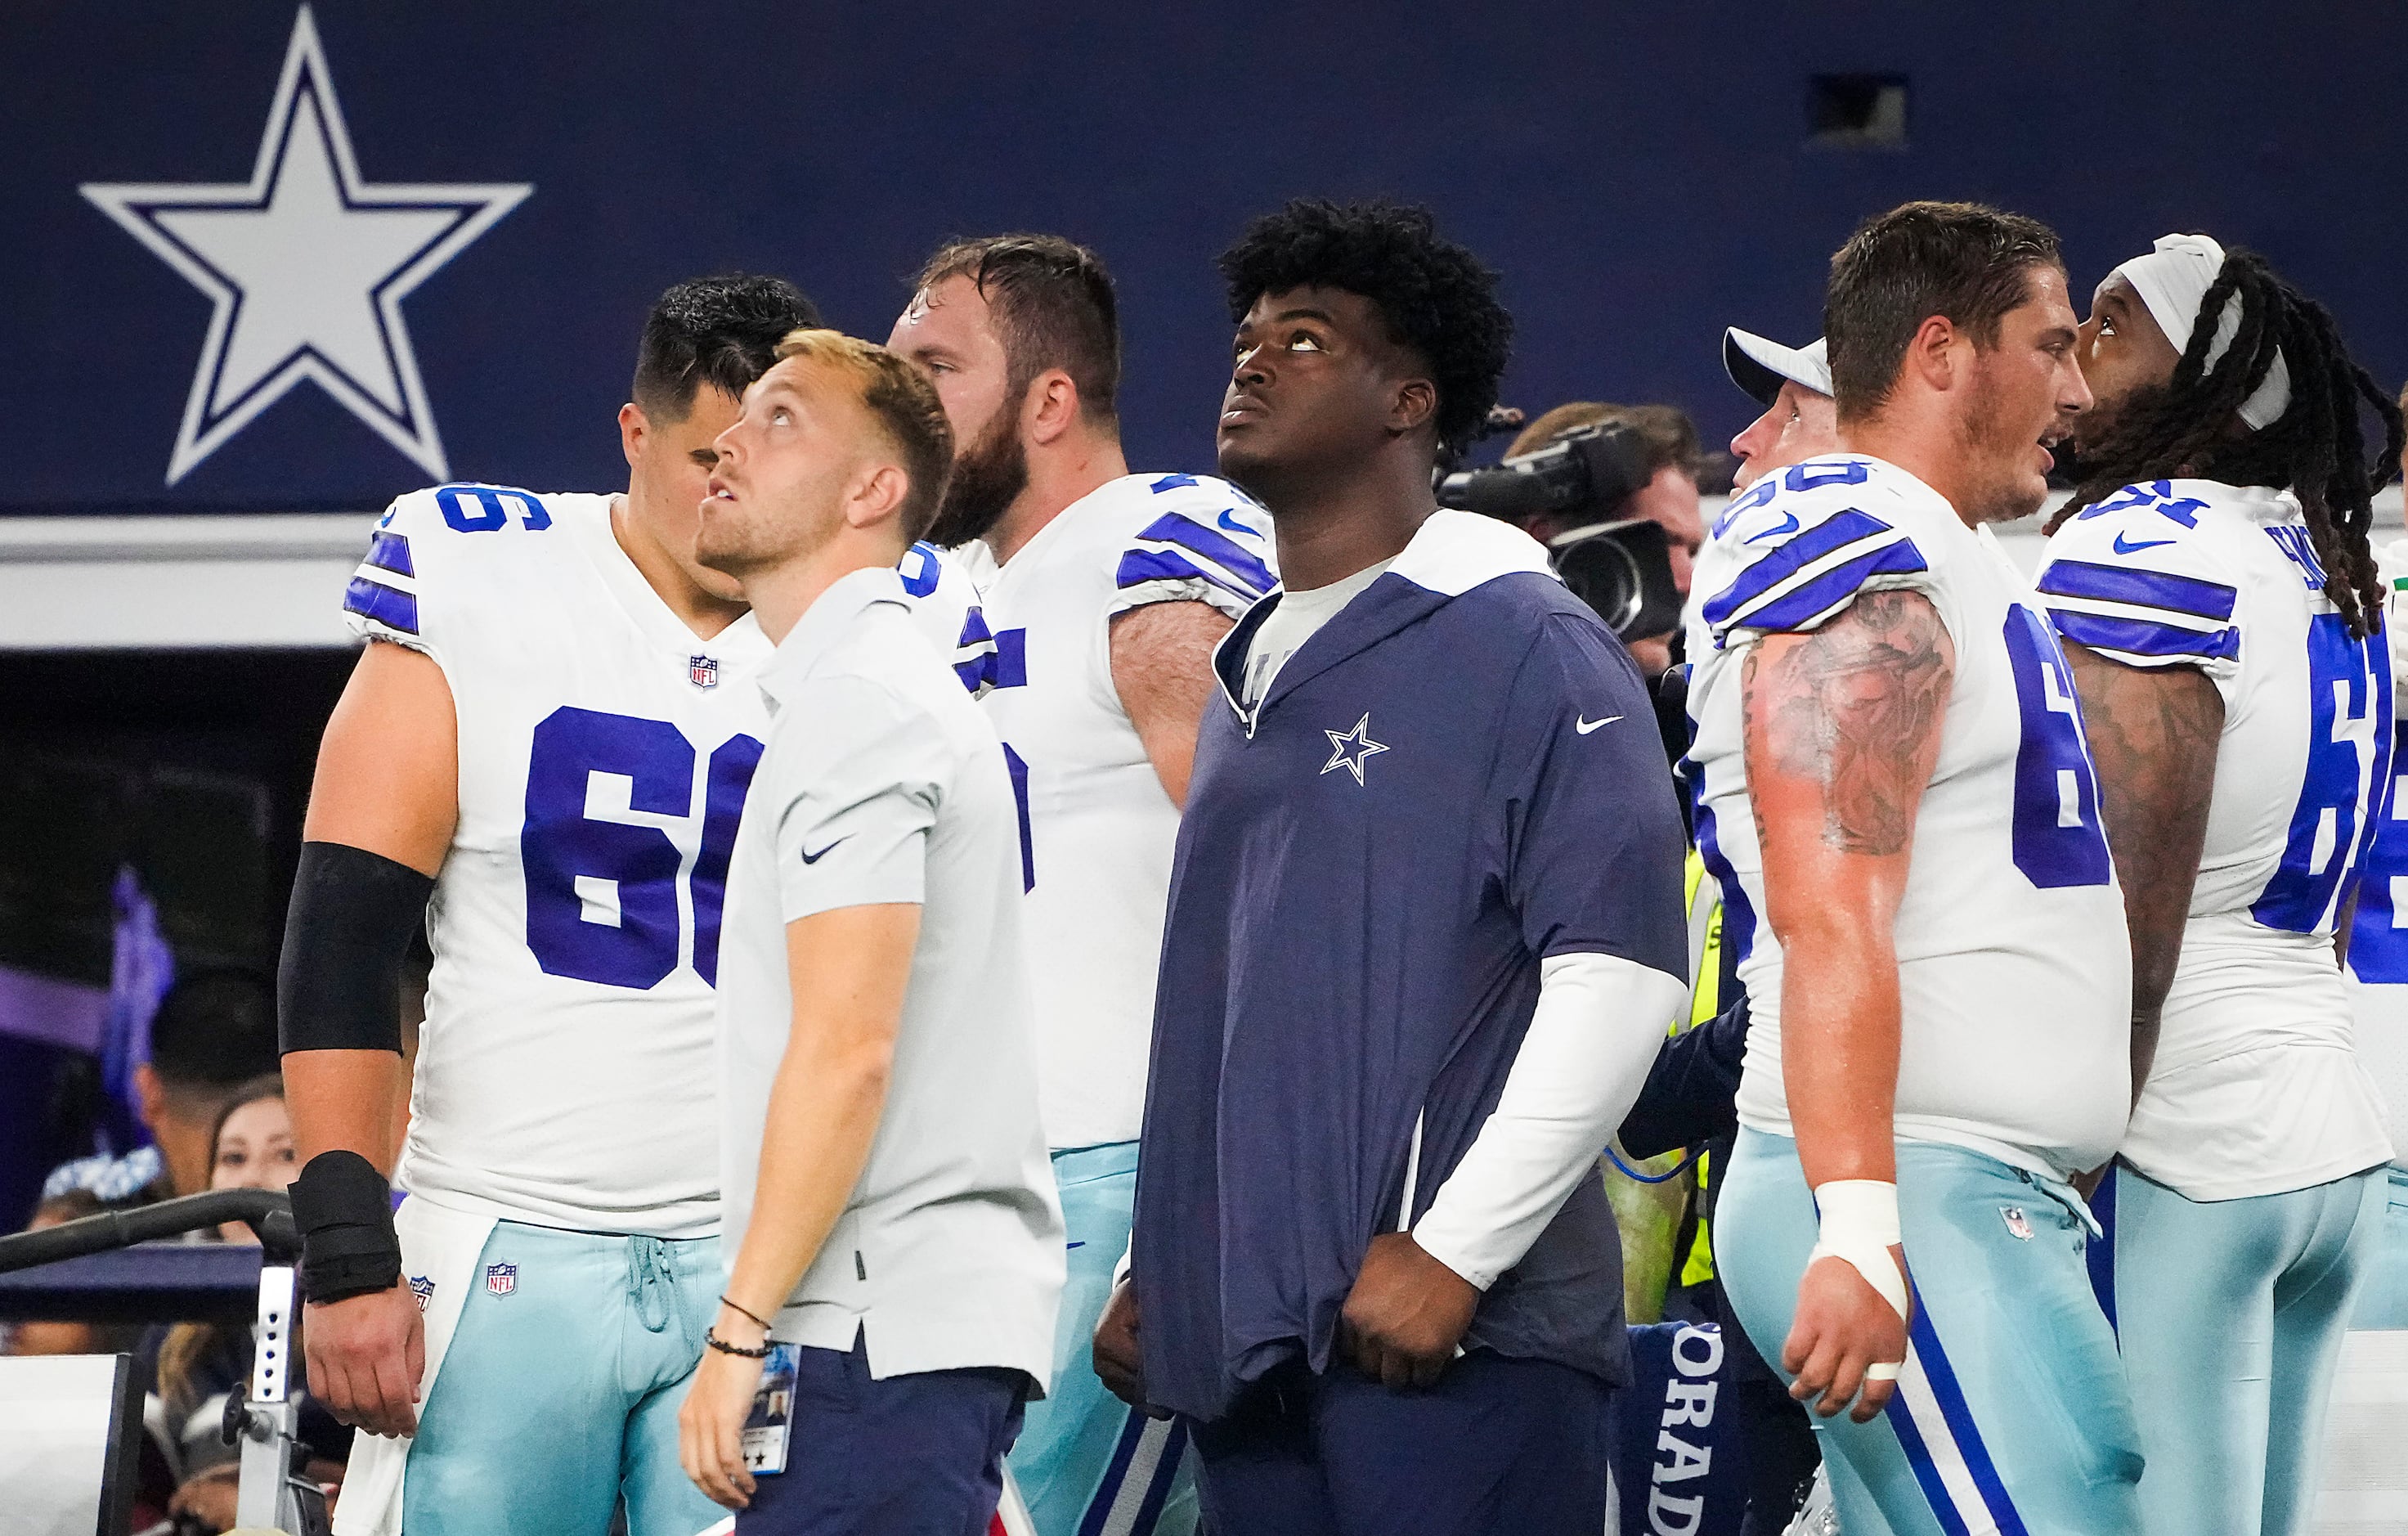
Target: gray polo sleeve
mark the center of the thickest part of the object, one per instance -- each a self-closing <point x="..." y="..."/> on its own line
<point x="856" y="778"/>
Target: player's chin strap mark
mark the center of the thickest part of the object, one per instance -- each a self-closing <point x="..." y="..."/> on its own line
<point x="1860" y="1227"/>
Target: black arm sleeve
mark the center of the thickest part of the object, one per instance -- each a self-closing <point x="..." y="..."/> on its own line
<point x="1689" y="1096"/>
<point x="339" y="986"/>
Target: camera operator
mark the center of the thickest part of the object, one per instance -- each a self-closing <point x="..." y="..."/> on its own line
<point x="1669" y="458"/>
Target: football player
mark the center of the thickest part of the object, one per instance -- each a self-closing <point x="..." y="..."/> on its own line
<point x="1898" y="799"/>
<point x="2214" y="588"/>
<point x="549" y="735"/>
<point x="2378" y="969"/>
<point x="1093" y="653"/>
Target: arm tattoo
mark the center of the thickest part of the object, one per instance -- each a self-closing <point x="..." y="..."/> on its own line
<point x="1854" y="709"/>
<point x="2154" y="735"/>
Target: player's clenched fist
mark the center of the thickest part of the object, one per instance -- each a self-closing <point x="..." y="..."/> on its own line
<point x="1405" y="1314"/>
<point x="367" y="1354"/>
<point x="1845" y="1336"/>
<point x="1119" y="1364"/>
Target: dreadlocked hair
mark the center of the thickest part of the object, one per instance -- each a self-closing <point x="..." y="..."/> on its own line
<point x="2316" y="448"/>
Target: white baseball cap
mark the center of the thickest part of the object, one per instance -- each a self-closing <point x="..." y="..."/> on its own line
<point x="1758" y="365"/>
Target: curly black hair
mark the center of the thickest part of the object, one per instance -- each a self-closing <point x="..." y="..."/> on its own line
<point x="2316" y="448"/>
<point x="719" y="331"/>
<point x="1436" y="297"/>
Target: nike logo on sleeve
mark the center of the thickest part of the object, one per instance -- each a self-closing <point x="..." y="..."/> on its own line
<point x="810" y="857"/>
<point x="2124" y="546"/>
<point x="1788" y="523"/>
<point x="1585" y="724"/>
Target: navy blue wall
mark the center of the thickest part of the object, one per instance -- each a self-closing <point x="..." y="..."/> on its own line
<point x="1639" y="173"/>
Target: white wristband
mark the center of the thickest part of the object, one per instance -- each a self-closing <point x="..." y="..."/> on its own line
<point x="1859" y="1228"/>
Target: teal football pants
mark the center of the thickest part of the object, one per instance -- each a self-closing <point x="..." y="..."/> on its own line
<point x="1087" y="1464"/>
<point x="2383" y="1303"/>
<point x="2011" y="1414"/>
<point x="2231" y="1313"/>
<point x="560" y="1389"/>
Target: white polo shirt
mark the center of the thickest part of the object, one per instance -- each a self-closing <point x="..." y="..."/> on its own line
<point x="884" y="783"/>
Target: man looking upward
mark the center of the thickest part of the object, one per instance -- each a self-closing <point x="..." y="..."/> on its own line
<point x="1894" y="772"/>
<point x="1093" y="657"/>
<point x="2211" y="582"/>
<point x="549" y="733"/>
<point x="888" y="1206"/>
<point x="1425" y="938"/>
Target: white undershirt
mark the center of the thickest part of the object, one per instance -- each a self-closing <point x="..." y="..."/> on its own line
<point x="1293" y="620"/>
<point x="1600" y="1022"/>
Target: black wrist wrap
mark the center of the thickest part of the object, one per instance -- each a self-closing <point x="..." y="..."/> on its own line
<point x="345" y="936"/>
<point x="344" y="1209"/>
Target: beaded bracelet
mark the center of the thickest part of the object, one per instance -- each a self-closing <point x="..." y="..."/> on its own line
<point x="710" y="1338"/>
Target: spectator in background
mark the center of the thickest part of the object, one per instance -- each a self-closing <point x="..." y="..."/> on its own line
<point x="215" y="1030"/>
<point x="196" y="1366"/>
<point x="49" y="1338"/>
<point x="1669" y="496"/>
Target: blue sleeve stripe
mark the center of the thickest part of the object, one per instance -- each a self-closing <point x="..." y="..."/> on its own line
<point x="2210" y="600"/>
<point x="1809" y="602"/>
<point x="390" y="552"/>
<point x="2141" y="638"/>
<point x="1138" y="566"/>
<point x="1828" y="537"/>
<point x="1213" y="545"/>
<point x="388" y="605"/>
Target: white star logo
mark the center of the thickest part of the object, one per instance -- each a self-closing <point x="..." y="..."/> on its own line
<point x="1349" y="750"/>
<point x="308" y="265"/>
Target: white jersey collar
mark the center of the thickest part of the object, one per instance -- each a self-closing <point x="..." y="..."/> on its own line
<point x="1454" y="551"/>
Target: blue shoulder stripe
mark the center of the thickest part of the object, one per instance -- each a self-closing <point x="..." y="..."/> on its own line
<point x="1809" y="602"/>
<point x="1213" y="545"/>
<point x="2187" y="595"/>
<point x="2141" y="638"/>
<point x="1138" y="566"/>
<point x="388" y="605"/>
<point x="390" y="552"/>
<point x="1825" y="538"/>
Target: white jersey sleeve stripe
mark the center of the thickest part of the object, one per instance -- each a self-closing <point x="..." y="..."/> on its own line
<point x="2206" y="601"/>
<point x="1801" y="582"/>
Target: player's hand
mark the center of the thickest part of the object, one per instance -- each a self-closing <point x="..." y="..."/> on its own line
<point x="711" y="1425"/>
<point x="1406" y="1313"/>
<point x="1120" y="1364"/>
<point x="367" y="1355"/>
<point x="1842" y="1326"/>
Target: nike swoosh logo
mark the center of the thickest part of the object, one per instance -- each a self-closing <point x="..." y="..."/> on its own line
<point x="1227" y="520"/>
<point x="810" y="857"/>
<point x="1788" y="523"/>
<point x="2126" y="547"/>
<point x="1585" y="724"/>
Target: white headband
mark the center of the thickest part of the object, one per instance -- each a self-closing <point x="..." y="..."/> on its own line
<point x="2171" y="279"/>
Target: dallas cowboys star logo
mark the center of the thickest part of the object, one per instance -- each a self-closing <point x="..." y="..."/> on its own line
<point x="1350" y="749"/>
<point x="308" y="265"/>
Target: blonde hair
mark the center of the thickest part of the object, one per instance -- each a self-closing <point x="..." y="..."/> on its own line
<point x="905" y="407"/>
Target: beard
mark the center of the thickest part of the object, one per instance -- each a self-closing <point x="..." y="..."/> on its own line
<point x="988" y="476"/>
<point x="2000" y="493"/>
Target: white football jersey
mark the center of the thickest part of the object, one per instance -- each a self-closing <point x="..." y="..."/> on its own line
<point x="1096" y="829"/>
<point x="2013" y="970"/>
<point x="2378" y="935"/>
<point x="564" y="1070"/>
<point x="2254" y="1089"/>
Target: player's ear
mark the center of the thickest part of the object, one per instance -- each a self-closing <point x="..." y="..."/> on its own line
<point x="877" y="496"/>
<point x="1938" y="352"/>
<point x="633" y="429"/>
<point x="1050" y="407"/>
<point x="1412" y="406"/>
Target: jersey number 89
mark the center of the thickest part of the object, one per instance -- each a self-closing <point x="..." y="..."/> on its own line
<point x="562" y="849"/>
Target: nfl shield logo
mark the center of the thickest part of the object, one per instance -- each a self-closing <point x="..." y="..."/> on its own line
<point x="2017" y="1223"/>
<point x="501" y="1279"/>
<point x="423" y="1289"/>
<point x="702" y="672"/>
